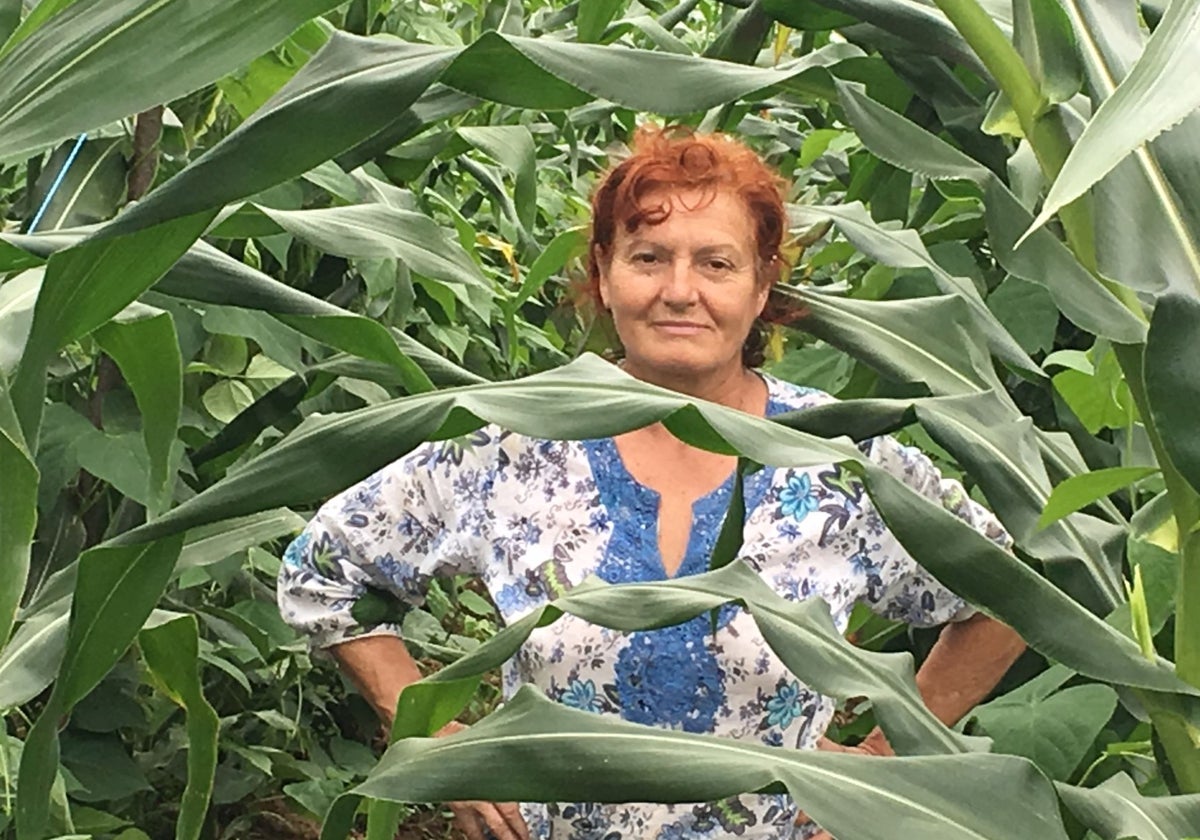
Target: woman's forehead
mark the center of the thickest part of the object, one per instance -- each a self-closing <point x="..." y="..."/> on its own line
<point x="719" y="216"/>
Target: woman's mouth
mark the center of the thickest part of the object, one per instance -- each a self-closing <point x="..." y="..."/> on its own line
<point x="680" y="328"/>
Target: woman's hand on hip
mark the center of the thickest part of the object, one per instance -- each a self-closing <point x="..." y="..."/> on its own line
<point x="484" y="820"/>
<point x="874" y="744"/>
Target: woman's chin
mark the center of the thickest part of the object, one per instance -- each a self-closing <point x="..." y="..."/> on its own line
<point x="677" y="366"/>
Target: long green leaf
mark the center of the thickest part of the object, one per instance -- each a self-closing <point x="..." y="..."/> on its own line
<point x="920" y="25"/>
<point x="39" y="14"/>
<point x="1042" y="35"/>
<point x="35" y="653"/>
<point x="369" y="231"/>
<point x="60" y="75"/>
<point x="29" y="662"/>
<point x="1079" y="491"/>
<point x="85" y="286"/>
<point x="986" y="575"/>
<point x="1148" y="190"/>
<point x="353" y="87"/>
<point x="857" y="419"/>
<point x="13" y="258"/>
<point x="550" y="261"/>
<point x="147" y="352"/>
<point x="1150" y="100"/>
<point x="18" y="512"/>
<point x="801" y="634"/>
<point x="904" y="249"/>
<point x="590" y="398"/>
<point x="1173" y="391"/>
<point x="90" y="282"/>
<point x="1172" y="384"/>
<point x="602" y="401"/>
<point x="1044" y="259"/>
<point x="1002" y="454"/>
<point x="211" y="276"/>
<point x="116" y="591"/>
<point x="512" y="147"/>
<point x="1041" y="258"/>
<point x="215" y="543"/>
<point x="10" y="18"/>
<point x="353" y="84"/>
<point x="536" y="749"/>
<point x="172" y="652"/>
<point x="1116" y="810"/>
<point x="436" y="104"/>
<point x="683" y="85"/>
<point x="594" y="16"/>
<point x="89" y="192"/>
<point x="742" y="39"/>
<point x="1002" y="451"/>
<point x="924" y="339"/>
<point x="207" y="274"/>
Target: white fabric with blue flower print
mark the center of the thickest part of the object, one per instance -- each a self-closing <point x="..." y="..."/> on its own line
<point x="534" y="518"/>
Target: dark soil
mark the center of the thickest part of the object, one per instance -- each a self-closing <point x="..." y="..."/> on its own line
<point x="276" y="821"/>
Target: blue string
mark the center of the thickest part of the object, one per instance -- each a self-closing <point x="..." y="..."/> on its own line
<point x="62" y="173"/>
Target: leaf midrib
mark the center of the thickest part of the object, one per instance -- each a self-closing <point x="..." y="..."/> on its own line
<point x="888" y="679"/>
<point x="916" y="348"/>
<point x="1142" y="153"/>
<point x="72" y="657"/>
<point x="1039" y="495"/>
<point x="50" y="626"/>
<point x="93" y="47"/>
<point x="74" y="199"/>
<point x="471" y="277"/>
<point x="443" y="745"/>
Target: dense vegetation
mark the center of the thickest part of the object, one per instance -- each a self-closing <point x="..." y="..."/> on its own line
<point x="251" y="252"/>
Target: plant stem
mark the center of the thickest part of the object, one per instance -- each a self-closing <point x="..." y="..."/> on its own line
<point x="1185" y="504"/>
<point x="144" y="163"/>
<point x="1187" y="609"/>
<point x="1041" y="123"/>
<point x="1170" y="718"/>
<point x="999" y="56"/>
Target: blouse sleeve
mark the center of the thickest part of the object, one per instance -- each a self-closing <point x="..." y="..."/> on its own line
<point x="370" y="551"/>
<point x="906" y="592"/>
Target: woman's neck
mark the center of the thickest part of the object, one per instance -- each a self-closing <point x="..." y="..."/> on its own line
<point x="737" y="387"/>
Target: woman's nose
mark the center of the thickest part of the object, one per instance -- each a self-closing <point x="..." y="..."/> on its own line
<point x="680" y="286"/>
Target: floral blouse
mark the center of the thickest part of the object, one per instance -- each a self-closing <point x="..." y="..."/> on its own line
<point x="534" y="518"/>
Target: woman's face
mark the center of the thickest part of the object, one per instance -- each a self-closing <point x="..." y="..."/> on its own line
<point x="684" y="293"/>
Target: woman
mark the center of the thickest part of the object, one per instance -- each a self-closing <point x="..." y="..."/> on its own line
<point x="685" y="248"/>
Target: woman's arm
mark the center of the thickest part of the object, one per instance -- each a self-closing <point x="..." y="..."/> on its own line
<point x="380" y="668"/>
<point x="972" y="654"/>
<point x="967" y="662"/>
<point x="391" y="533"/>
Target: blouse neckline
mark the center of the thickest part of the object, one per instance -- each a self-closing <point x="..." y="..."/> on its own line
<point x="634" y="507"/>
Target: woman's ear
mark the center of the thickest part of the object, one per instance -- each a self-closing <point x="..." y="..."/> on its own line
<point x="763" y="295"/>
<point x="603" y="264"/>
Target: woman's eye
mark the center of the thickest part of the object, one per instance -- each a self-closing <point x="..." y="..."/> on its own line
<point x="645" y="258"/>
<point x="720" y="265"/>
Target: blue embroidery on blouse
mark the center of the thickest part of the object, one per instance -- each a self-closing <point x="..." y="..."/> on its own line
<point x="666" y="677"/>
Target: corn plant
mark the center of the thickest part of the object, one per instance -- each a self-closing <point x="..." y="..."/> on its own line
<point x="360" y="237"/>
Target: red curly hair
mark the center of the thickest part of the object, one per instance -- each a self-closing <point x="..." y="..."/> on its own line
<point x="677" y="158"/>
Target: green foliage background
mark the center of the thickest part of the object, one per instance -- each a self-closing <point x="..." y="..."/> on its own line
<point x="296" y="238"/>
